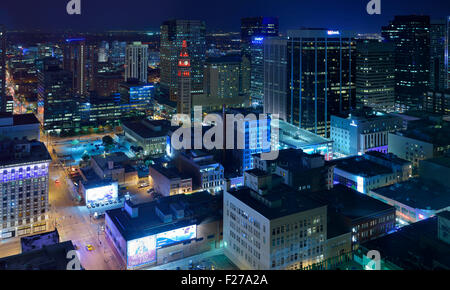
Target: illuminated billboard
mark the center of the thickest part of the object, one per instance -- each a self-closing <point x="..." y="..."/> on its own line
<point x="141" y="251"/>
<point x="102" y="193"/>
<point x="174" y="236"/>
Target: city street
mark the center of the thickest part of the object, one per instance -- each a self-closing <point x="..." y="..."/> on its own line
<point x="74" y="223"/>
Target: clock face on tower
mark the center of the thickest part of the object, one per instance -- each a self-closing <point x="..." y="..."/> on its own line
<point x="184" y="63"/>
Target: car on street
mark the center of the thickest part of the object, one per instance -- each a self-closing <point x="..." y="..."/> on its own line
<point x="89" y="247"/>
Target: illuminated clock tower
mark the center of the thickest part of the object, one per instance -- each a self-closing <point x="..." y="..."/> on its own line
<point x="184" y="82"/>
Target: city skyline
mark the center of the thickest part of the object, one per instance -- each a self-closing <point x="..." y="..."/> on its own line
<point x="304" y="135"/>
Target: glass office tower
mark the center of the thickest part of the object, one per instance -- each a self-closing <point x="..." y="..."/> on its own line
<point x="321" y="76"/>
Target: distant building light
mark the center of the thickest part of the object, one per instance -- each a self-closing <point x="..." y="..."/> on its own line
<point x="258" y="40"/>
<point x="333" y="32"/>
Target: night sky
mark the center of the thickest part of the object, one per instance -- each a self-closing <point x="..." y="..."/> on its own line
<point x="99" y="15"/>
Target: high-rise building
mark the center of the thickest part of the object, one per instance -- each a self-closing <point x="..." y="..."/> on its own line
<point x="254" y="27"/>
<point x="257" y="26"/>
<point x="136" y="97"/>
<point x="257" y="71"/>
<point x="173" y="32"/>
<point x="375" y="75"/>
<point x="321" y="73"/>
<point x="222" y="76"/>
<point x="275" y="77"/>
<point x="136" y="62"/>
<point x="75" y="61"/>
<point x="184" y="89"/>
<point x="411" y="37"/>
<point x="57" y="105"/>
<point x="117" y="54"/>
<point x="437" y="102"/>
<point x="439" y="34"/>
<point x="23" y="187"/>
<point x="2" y="68"/>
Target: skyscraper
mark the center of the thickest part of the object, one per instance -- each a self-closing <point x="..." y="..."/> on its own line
<point x="439" y="33"/>
<point x="275" y="76"/>
<point x="321" y="73"/>
<point x="375" y="74"/>
<point x="117" y="55"/>
<point x="136" y="62"/>
<point x="75" y="61"/>
<point x="222" y="76"/>
<point x="257" y="26"/>
<point x="257" y="71"/>
<point x="57" y="105"/>
<point x="411" y="36"/>
<point x="2" y="68"/>
<point x="173" y="32"/>
<point x="254" y="27"/>
<point x="184" y="81"/>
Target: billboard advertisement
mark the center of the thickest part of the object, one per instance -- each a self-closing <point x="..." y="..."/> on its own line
<point x="141" y="251"/>
<point x="174" y="236"/>
<point x="102" y="193"/>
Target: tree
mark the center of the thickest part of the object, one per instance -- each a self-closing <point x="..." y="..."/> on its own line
<point x="107" y="141"/>
<point x="85" y="157"/>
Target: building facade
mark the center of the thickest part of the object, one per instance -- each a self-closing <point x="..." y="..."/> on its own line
<point x="268" y="226"/>
<point x="275" y="77"/>
<point x="24" y="181"/>
<point x="173" y="32"/>
<point x="57" y="103"/>
<point x="136" y="62"/>
<point x="375" y="75"/>
<point x="411" y="37"/>
<point x="184" y="85"/>
<point x="358" y="133"/>
<point x="321" y="77"/>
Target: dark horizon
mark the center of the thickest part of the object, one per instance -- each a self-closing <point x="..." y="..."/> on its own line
<point x="107" y="15"/>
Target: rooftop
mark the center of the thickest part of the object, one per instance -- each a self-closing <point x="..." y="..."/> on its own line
<point x="11" y="152"/>
<point x="388" y="157"/>
<point x="297" y="137"/>
<point x="143" y="131"/>
<point x="25" y="119"/>
<point x="442" y="161"/>
<point x="116" y="157"/>
<point x="358" y="165"/>
<point x="53" y="257"/>
<point x="350" y="203"/>
<point x="418" y="193"/>
<point x="435" y="134"/>
<point x="169" y="172"/>
<point x="198" y="207"/>
<point x="8" y="119"/>
<point x="414" y="247"/>
<point x="279" y="202"/>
